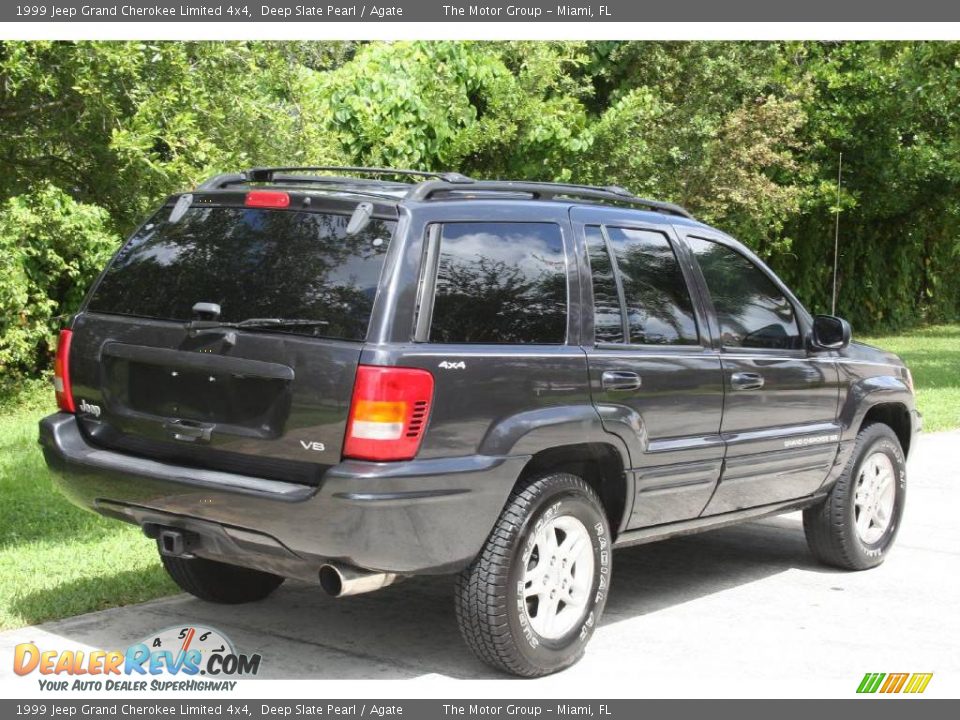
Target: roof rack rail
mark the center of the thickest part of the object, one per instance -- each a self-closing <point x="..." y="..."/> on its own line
<point x="221" y="181"/>
<point x="440" y="182"/>
<point x="546" y="191"/>
<point x="266" y="174"/>
<point x="272" y="174"/>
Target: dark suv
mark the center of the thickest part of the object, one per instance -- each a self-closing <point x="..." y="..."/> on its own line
<point x="351" y="380"/>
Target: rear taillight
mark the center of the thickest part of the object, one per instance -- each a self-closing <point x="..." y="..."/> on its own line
<point x="61" y="372"/>
<point x="267" y="199"/>
<point x="388" y="413"/>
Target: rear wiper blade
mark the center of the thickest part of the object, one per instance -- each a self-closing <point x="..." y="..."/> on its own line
<point x="279" y="322"/>
<point x="195" y="325"/>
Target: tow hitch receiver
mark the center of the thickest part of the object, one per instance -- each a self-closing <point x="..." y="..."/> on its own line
<point x="171" y="541"/>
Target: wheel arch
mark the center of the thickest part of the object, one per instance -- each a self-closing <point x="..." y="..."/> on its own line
<point x="881" y="398"/>
<point x="569" y="438"/>
<point x="896" y="416"/>
<point x="599" y="464"/>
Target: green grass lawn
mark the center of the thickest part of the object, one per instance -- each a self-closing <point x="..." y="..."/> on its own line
<point x="933" y="356"/>
<point x="57" y="560"/>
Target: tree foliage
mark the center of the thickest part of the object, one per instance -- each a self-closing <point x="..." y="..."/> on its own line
<point x="747" y="135"/>
<point x="51" y="248"/>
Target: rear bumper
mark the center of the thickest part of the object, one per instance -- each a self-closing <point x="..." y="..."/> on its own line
<point x="418" y="517"/>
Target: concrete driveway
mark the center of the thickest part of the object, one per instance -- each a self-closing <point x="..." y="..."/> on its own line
<point x="741" y="611"/>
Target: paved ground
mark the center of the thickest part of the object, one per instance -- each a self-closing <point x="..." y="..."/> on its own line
<point x="742" y="610"/>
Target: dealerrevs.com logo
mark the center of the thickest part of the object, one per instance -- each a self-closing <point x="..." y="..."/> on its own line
<point x="195" y="657"/>
<point x="890" y="683"/>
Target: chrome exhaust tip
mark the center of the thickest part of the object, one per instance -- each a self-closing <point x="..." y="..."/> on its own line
<point x="343" y="580"/>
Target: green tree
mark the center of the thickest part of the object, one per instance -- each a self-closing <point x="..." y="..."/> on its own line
<point x="745" y="134"/>
<point x="51" y="249"/>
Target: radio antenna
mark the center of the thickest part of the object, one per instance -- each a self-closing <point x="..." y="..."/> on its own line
<point x="836" y="238"/>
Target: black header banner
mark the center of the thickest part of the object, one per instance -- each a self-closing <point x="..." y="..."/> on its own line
<point x="73" y="11"/>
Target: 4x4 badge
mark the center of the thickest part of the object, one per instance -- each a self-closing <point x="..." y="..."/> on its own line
<point x="447" y="365"/>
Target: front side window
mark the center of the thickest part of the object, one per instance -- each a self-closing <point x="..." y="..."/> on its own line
<point x="751" y="309"/>
<point x="500" y="283"/>
<point x="655" y="299"/>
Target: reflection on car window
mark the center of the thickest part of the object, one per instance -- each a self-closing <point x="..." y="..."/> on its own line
<point x="254" y="263"/>
<point x="752" y="311"/>
<point x="658" y="305"/>
<point x="659" y="309"/>
<point x="500" y="283"/>
<point x="607" y="316"/>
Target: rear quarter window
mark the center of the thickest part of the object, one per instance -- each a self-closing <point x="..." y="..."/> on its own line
<point x="500" y="283"/>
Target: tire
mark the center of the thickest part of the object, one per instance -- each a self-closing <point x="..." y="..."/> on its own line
<point x="832" y="528"/>
<point x="501" y="621"/>
<point x="219" y="582"/>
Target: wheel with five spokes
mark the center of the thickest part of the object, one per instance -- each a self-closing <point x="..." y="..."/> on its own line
<point x="857" y="523"/>
<point x="531" y="600"/>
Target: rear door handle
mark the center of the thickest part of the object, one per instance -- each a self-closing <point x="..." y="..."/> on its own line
<point x="746" y="381"/>
<point x="620" y="380"/>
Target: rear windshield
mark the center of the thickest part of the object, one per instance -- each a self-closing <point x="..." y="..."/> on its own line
<point x="254" y="263"/>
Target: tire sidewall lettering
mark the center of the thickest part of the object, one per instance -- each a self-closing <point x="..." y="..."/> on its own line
<point x="893" y="451"/>
<point x="602" y="556"/>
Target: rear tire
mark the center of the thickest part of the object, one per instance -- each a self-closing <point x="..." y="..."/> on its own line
<point x="856" y="525"/>
<point x="531" y="600"/>
<point x="219" y="582"/>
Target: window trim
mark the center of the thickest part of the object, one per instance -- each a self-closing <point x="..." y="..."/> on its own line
<point x="618" y="280"/>
<point x="799" y="317"/>
<point x="426" y="290"/>
<point x="430" y="266"/>
<point x="618" y="283"/>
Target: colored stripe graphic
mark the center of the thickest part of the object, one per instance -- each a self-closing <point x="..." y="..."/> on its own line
<point x="918" y="682"/>
<point x="870" y="682"/>
<point x="894" y="682"/>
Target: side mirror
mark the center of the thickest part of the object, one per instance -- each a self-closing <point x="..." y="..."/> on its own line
<point x="830" y="333"/>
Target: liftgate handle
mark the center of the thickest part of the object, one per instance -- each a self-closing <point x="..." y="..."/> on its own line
<point x="188" y="431"/>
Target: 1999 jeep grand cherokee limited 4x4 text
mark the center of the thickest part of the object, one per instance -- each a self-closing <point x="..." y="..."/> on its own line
<point x="350" y="380"/>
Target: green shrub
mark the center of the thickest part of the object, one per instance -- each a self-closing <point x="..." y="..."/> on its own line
<point x="51" y="249"/>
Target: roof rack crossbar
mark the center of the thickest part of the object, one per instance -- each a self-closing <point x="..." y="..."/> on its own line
<point x="546" y="191"/>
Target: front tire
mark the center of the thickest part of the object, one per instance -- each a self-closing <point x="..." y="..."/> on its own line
<point x="219" y="582"/>
<point x="533" y="597"/>
<point x="856" y="525"/>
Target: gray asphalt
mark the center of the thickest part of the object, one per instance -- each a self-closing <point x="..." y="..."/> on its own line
<point x="743" y="611"/>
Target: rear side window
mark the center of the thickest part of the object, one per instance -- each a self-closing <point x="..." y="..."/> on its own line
<point x="654" y="297"/>
<point x="254" y="263"/>
<point x="607" y="314"/>
<point x="752" y="311"/>
<point x="500" y="283"/>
